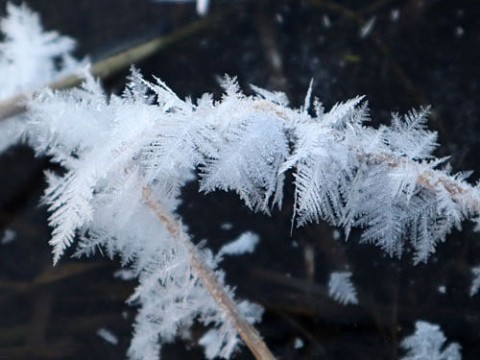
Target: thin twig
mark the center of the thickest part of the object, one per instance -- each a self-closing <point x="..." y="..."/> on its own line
<point x="247" y="332"/>
<point x="102" y="69"/>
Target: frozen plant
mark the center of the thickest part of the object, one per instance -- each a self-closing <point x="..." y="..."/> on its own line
<point x="119" y="193"/>
<point x="127" y="157"/>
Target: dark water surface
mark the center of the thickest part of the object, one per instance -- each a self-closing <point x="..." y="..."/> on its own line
<point x="418" y="53"/>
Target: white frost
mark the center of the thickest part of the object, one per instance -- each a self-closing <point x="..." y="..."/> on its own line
<point x="341" y="289"/>
<point x="108" y="336"/>
<point x="475" y="286"/>
<point x="428" y="342"/>
<point x="245" y="243"/>
<point x="366" y="29"/>
<point x="8" y="236"/>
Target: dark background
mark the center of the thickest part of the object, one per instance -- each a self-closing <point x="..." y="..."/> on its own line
<point x="429" y="55"/>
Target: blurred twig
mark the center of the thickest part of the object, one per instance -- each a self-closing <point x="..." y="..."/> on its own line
<point x="111" y="65"/>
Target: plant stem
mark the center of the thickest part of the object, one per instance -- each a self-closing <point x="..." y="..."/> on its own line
<point x="247" y="332"/>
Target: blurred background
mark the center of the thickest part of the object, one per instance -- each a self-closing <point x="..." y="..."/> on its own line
<point x="400" y="54"/>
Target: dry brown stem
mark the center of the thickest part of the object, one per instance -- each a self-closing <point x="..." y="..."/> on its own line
<point x="247" y="332"/>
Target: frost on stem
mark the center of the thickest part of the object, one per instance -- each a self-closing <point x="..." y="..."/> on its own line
<point x="29" y="58"/>
<point x="385" y="180"/>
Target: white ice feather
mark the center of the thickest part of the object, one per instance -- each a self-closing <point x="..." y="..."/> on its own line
<point x="341" y="288"/>
<point x="428" y="342"/>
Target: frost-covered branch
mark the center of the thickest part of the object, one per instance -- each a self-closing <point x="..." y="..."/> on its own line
<point x="384" y="180"/>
